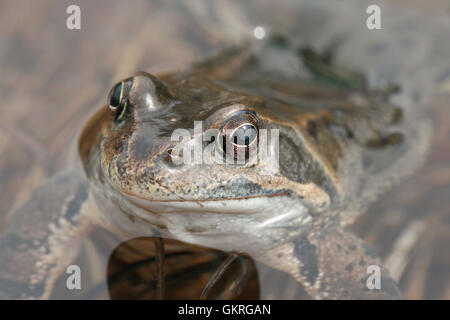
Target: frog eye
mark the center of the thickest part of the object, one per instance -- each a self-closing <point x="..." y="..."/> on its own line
<point x="118" y="98"/>
<point x="239" y="135"/>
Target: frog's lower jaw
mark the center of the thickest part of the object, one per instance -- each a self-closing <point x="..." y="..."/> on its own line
<point x="250" y="225"/>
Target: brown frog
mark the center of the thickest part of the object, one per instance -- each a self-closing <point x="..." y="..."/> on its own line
<point x="340" y="144"/>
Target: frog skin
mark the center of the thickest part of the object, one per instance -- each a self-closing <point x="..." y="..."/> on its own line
<point x="340" y="145"/>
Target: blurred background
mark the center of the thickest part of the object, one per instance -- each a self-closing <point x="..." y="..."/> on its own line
<point x="52" y="79"/>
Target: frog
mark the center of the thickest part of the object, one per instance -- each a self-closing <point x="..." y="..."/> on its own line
<point x="340" y="144"/>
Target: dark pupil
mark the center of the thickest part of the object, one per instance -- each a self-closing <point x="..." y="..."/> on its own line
<point x="115" y="97"/>
<point x="244" y="135"/>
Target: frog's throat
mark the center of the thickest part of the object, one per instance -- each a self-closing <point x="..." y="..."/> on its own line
<point x="250" y="224"/>
<point x="247" y="224"/>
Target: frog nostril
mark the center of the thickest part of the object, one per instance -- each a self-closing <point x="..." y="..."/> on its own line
<point x="168" y="157"/>
<point x="172" y="158"/>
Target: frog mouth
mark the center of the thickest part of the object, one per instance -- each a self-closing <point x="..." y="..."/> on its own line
<point x="148" y="204"/>
<point x="218" y="205"/>
<point x="225" y="224"/>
